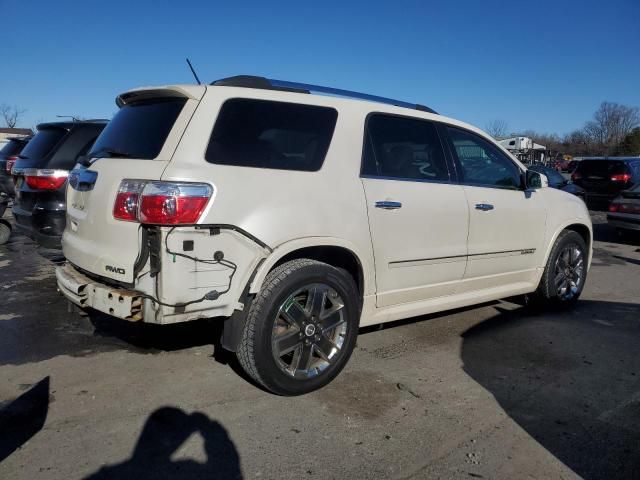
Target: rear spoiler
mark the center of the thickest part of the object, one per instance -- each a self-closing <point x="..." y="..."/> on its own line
<point x="194" y="92"/>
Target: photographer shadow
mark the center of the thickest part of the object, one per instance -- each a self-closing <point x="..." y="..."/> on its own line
<point x="162" y="435"/>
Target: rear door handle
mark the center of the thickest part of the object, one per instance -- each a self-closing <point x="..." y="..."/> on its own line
<point x="484" y="206"/>
<point x="388" y="205"/>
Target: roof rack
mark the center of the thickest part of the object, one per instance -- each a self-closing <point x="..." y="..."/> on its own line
<point x="250" y="81"/>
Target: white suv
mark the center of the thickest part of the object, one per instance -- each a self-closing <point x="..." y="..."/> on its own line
<point x="299" y="218"/>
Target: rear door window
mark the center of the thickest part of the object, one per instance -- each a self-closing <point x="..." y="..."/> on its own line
<point x="404" y="149"/>
<point x="138" y="130"/>
<point x="267" y="134"/>
<point x="43" y="143"/>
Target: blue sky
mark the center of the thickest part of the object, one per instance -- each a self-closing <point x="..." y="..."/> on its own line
<point x="542" y="65"/>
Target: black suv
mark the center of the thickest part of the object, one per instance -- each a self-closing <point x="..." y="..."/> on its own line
<point x="41" y="173"/>
<point x="603" y="178"/>
<point x="8" y="155"/>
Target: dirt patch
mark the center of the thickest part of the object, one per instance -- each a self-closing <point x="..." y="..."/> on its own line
<point x="365" y="395"/>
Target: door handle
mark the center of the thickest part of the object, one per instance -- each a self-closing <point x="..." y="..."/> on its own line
<point x="484" y="206"/>
<point x="388" y="205"/>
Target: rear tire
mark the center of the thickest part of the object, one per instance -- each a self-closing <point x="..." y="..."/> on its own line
<point x="5" y="232"/>
<point x="301" y="327"/>
<point x="565" y="273"/>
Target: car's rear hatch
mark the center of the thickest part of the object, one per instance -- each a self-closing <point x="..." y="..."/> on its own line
<point x="603" y="176"/>
<point x="137" y="144"/>
<point x="35" y="156"/>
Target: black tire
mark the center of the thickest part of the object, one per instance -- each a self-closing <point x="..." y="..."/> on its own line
<point x="257" y="353"/>
<point x="548" y="293"/>
<point x="5" y="232"/>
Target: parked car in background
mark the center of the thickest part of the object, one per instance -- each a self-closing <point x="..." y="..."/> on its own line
<point x="557" y="180"/>
<point x="603" y="178"/>
<point x="571" y="166"/>
<point x="300" y="218"/>
<point x="561" y="165"/>
<point x="8" y="155"/>
<point x="41" y="173"/>
<point x="624" y="210"/>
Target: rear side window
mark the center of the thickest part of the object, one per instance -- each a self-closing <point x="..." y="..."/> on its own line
<point x="482" y="163"/>
<point x="403" y="148"/>
<point x="12" y="147"/>
<point x="139" y="129"/>
<point x="43" y="143"/>
<point x="266" y="134"/>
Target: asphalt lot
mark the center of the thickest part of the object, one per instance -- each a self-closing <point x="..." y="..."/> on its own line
<point x="496" y="391"/>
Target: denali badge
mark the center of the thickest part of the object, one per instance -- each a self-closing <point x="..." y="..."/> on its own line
<point x="527" y="251"/>
<point x="118" y="270"/>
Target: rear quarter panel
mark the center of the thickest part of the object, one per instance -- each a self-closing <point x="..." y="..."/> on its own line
<point x="282" y="207"/>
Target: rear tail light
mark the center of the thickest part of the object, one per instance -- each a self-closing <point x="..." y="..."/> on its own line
<point x="128" y="200"/>
<point x="10" y="161"/>
<point x="624" y="208"/>
<point x="45" y="179"/>
<point x="161" y="203"/>
<point x="621" y="177"/>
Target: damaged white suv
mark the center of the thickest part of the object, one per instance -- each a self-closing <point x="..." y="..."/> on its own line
<point x="299" y="218"/>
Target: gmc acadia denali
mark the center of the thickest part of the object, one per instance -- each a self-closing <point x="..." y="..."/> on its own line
<point x="299" y="217"/>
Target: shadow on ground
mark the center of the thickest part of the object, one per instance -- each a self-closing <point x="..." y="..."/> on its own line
<point x="23" y="417"/>
<point x="570" y="380"/>
<point x="162" y="435"/>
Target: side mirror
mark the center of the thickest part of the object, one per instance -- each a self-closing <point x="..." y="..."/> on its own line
<point x="535" y="180"/>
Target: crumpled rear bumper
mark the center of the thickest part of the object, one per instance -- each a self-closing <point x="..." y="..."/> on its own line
<point x="85" y="292"/>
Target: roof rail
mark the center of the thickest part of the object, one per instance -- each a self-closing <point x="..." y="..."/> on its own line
<point x="250" y="81"/>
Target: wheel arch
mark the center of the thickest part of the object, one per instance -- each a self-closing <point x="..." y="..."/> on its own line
<point x="334" y="251"/>
<point x="581" y="228"/>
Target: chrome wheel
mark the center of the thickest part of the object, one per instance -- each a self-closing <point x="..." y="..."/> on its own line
<point x="309" y="331"/>
<point x="569" y="272"/>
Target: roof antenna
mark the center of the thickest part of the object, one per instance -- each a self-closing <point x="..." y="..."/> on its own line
<point x="194" y="72"/>
<point x="69" y="116"/>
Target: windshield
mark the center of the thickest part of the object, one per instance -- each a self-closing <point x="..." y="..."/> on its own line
<point x="42" y="144"/>
<point x="138" y="130"/>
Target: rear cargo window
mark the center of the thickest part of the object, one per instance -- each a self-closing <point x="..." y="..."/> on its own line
<point x="12" y="147"/>
<point x="42" y="144"/>
<point x="139" y="129"/>
<point x="602" y="167"/>
<point x="266" y="134"/>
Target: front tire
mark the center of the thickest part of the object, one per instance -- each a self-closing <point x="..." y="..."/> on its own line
<point x="565" y="273"/>
<point x="301" y="327"/>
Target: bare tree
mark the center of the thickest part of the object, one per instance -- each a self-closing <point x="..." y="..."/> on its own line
<point x="497" y="129"/>
<point x="11" y="114"/>
<point x="611" y="123"/>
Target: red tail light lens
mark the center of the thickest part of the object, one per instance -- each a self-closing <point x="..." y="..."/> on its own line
<point x="45" y="179"/>
<point x="621" y="177"/>
<point x="624" y="208"/>
<point x="10" y="162"/>
<point x="128" y="200"/>
<point x="169" y="203"/>
<point x="161" y="203"/>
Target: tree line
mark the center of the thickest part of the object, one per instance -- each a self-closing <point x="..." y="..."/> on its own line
<point x="613" y="130"/>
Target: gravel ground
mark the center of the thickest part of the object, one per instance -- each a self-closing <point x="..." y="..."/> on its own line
<point x="496" y="391"/>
